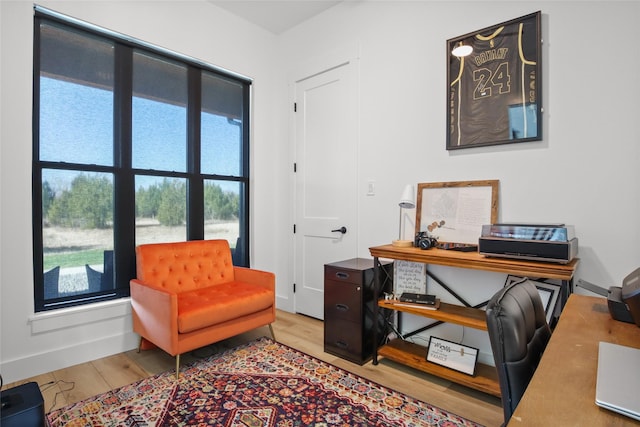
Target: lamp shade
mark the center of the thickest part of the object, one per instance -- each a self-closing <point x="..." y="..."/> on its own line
<point x="407" y="200"/>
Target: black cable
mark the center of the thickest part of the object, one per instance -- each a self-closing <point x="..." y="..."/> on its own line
<point x="53" y="384"/>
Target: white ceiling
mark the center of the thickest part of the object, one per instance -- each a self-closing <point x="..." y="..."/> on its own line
<point x="275" y="16"/>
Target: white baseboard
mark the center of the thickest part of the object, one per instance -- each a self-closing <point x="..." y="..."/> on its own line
<point x="20" y="369"/>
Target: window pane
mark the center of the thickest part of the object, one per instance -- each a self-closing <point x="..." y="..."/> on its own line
<point x="77" y="222"/>
<point x="161" y="207"/>
<point x="76" y="88"/>
<point x="222" y="210"/>
<point x="159" y="114"/>
<point x="221" y="129"/>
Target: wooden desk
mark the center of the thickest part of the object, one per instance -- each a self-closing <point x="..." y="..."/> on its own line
<point x="562" y="391"/>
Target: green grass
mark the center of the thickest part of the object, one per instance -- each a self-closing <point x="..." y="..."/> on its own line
<point x="77" y="258"/>
<point x="73" y="259"/>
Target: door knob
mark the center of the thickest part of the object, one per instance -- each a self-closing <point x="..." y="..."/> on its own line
<point x="342" y="230"/>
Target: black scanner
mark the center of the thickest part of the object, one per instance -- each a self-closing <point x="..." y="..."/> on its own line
<point x="631" y="294"/>
<point x="617" y="307"/>
<point x="623" y="301"/>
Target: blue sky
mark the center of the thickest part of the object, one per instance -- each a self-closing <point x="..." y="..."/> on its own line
<point x="76" y="126"/>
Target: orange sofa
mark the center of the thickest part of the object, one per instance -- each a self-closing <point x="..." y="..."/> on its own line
<point x="189" y="294"/>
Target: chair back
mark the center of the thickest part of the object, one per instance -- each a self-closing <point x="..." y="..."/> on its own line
<point x="519" y="333"/>
<point x="185" y="266"/>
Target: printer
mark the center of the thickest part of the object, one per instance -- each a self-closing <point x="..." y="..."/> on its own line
<point x="623" y="301"/>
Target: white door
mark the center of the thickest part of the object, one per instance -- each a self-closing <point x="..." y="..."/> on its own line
<point x="325" y="180"/>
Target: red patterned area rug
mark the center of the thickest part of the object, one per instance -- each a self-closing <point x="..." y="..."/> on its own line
<point x="260" y="384"/>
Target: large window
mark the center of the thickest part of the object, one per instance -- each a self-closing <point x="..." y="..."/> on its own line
<point x="131" y="145"/>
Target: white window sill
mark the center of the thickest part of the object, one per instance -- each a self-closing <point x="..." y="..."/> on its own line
<point x="75" y="316"/>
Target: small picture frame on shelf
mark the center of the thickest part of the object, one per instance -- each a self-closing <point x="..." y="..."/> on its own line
<point x="452" y="355"/>
<point x="409" y="277"/>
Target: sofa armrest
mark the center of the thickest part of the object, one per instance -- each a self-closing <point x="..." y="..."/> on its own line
<point x="261" y="278"/>
<point x="155" y="314"/>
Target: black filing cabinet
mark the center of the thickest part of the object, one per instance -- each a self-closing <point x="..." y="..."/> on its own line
<point x="348" y="307"/>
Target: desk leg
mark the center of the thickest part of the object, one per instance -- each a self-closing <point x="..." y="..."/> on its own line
<point x="569" y="289"/>
<point x="566" y="289"/>
<point x="376" y="287"/>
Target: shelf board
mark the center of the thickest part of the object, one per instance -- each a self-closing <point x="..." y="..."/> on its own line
<point x="450" y="313"/>
<point x="475" y="261"/>
<point x="414" y="355"/>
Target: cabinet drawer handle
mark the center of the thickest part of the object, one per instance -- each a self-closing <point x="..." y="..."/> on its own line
<point x="342" y="344"/>
<point x="342" y="307"/>
<point x="341" y="275"/>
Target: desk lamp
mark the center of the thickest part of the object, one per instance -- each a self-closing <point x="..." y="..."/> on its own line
<point x="406" y="202"/>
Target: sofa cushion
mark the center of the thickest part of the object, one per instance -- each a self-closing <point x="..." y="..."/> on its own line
<point x="209" y="306"/>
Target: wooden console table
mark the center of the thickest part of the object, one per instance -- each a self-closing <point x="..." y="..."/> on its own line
<point x="413" y="355"/>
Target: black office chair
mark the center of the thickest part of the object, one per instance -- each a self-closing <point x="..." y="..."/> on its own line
<point x="519" y="333"/>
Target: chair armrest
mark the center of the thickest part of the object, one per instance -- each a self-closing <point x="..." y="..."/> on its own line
<point x="261" y="278"/>
<point x="155" y="314"/>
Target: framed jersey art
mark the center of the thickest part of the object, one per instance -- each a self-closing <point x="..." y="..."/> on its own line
<point x="494" y="92"/>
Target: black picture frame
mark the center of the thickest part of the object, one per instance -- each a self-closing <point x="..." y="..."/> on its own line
<point x="494" y="95"/>
<point x="549" y="294"/>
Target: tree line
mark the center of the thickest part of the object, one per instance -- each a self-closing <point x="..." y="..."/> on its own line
<point x="88" y="203"/>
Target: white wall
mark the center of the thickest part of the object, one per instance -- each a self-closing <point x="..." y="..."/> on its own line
<point x="583" y="173"/>
<point x="33" y="344"/>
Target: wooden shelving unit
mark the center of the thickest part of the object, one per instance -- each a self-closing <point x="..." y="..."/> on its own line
<point x="413" y="355"/>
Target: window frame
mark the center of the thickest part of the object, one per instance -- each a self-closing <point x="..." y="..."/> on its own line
<point x="124" y="227"/>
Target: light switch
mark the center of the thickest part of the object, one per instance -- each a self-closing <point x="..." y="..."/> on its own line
<point x="371" y="188"/>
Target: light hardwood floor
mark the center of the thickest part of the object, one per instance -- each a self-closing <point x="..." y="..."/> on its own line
<point x="69" y="385"/>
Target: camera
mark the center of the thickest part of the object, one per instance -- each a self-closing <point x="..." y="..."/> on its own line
<point x="424" y="241"/>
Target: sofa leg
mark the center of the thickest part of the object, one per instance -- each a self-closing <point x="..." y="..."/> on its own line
<point x="140" y="344"/>
<point x="177" y="366"/>
<point x="273" y="335"/>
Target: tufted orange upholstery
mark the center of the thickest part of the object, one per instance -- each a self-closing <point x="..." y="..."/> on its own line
<point x="202" y="307"/>
<point x="185" y="266"/>
<point x="188" y="294"/>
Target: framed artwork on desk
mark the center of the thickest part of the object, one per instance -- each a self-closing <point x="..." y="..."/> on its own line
<point x="494" y="92"/>
<point x="454" y="212"/>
